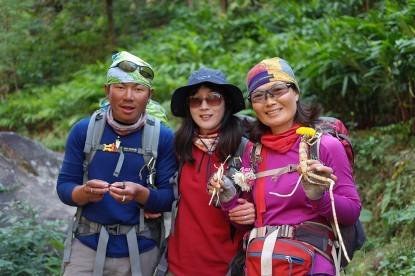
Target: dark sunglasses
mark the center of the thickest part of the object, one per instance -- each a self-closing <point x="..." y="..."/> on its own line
<point x="213" y="99"/>
<point x="129" y="66"/>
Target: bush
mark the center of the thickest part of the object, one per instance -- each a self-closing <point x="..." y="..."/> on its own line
<point x="30" y="247"/>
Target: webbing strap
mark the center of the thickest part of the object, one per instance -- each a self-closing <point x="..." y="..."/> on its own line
<point x="73" y="225"/>
<point x="174" y="181"/>
<point x="94" y="133"/>
<point x="134" y="253"/>
<point x="267" y="251"/>
<point x="336" y="259"/>
<point x="277" y="172"/>
<point x="101" y="252"/>
<point x="67" y="245"/>
<point x="284" y="231"/>
<point x="162" y="266"/>
<point x="119" y="164"/>
<point x="151" y="137"/>
<point x="132" y="250"/>
<point x="141" y="225"/>
<point x="173" y="216"/>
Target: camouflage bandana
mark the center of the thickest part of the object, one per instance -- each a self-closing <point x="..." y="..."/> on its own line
<point x="116" y="75"/>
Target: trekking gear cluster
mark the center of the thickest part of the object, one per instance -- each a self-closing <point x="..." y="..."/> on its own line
<point x="265" y="244"/>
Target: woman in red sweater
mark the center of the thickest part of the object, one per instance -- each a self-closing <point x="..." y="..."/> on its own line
<point x="204" y="242"/>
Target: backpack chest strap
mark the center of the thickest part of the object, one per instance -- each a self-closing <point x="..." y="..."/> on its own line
<point x="121" y="150"/>
<point x="277" y="172"/>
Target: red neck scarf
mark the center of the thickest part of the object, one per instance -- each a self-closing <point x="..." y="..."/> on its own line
<point x="281" y="142"/>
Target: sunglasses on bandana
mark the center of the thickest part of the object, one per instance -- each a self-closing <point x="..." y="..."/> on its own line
<point x="128" y="66"/>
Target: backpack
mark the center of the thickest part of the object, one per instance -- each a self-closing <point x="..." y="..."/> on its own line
<point x="337" y="129"/>
<point x="151" y="228"/>
<point x="353" y="235"/>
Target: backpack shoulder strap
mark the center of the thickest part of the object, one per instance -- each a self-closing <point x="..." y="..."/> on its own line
<point x="94" y="133"/>
<point x="242" y="146"/>
<point x="151" y="137"/>
<point x="236" y="159"/>
<point x="315" y="150"/>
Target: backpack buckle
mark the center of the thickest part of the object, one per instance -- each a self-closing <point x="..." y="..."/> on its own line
<point x="113" y="229"/>
<point x="316" y="137"/>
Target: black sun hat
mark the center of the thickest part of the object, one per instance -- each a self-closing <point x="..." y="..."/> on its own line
<point x="205" y="75"/>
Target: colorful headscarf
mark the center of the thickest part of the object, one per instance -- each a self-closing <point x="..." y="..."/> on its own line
<point x="269" y="70"/>
<point x="117" y="75"/>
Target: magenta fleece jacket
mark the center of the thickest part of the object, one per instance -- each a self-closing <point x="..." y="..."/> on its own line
<point x="298" y="208"/>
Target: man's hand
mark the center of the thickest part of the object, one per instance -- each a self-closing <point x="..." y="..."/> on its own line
<point x="92" y="191"/>
<point x="126" y="191"/>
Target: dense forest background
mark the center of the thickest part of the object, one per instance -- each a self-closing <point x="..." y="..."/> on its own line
<point x="355" y="57"/>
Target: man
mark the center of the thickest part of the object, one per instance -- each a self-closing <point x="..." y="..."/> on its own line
<point x="111" y="191"/>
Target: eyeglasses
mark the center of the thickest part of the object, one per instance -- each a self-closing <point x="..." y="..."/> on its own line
<point x="275" y="91"/>
<point x="213" y="99"/>
<point x="129" y="66"/>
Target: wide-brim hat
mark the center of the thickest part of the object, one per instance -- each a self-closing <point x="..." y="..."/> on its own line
<point x="206" y="75"/>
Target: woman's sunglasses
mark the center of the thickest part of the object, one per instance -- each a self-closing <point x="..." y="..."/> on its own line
<point x="128" y="66"/>
<point x="213" y="99"/>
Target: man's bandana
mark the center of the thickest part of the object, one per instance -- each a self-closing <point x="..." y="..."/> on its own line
<point x="116" y="75"/>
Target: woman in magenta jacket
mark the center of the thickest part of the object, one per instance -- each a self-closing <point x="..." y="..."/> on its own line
<point x="281" y="200"/>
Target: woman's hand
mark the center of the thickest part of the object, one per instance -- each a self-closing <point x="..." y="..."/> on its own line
<point x="244" y="213"/>
<point x="314" y="187"/>
<point x="226" y="187"/>
<point x="213" y="184"/>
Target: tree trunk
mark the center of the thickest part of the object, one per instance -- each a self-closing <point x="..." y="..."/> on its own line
<point x="224" y="4"/>
<point x="111" y="29"/>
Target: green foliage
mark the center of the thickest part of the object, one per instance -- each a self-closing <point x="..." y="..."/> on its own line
<point x="385" y="173"/>
<point x="28" y="247"/>
<point x="356" y="57"/>
<point x="359" y="57"/>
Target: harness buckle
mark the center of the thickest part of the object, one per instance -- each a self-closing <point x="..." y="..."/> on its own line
<point x="113" y="229"/>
